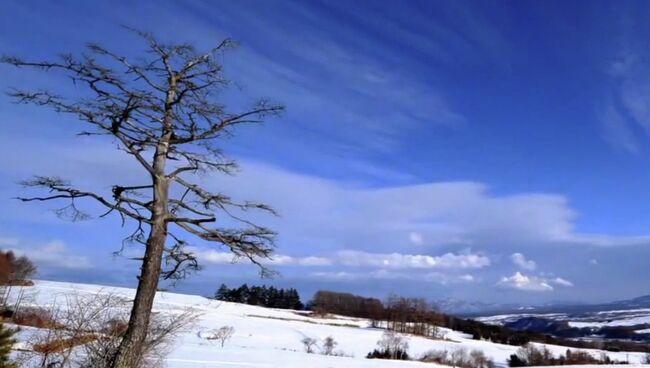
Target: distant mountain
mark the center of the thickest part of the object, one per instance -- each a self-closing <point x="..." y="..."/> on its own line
<point x="636" y="303"/>
<point x="627" y="304"/>
<point x="475" y="308"/>
<point x="468" y="308"/>
<point x="622" y="320"/>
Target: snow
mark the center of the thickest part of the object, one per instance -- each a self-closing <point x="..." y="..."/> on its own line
<point x="631" y="321"/>
<point x="609" y="318"/>
<point x="500" y="319"/>
<point x="272" y="337"/>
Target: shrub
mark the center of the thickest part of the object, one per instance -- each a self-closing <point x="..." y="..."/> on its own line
<point x="7" y="341"/>
<point x="34" y="317"/>
<point x="516" y="361"/>
<point x="329" y="344"/>
<point x="391" y="346"/>
<point x="394" y="343"/>
<point x="222" y="334"/>
<point x="309" y="344"/>
<point x="529" y="355"/>
<point x="479" y="360"/>
<point x="385" y="354"/>
<point x="14" y="270"/>
<point x="459" y="358"/>
<point x="86" y="331"/>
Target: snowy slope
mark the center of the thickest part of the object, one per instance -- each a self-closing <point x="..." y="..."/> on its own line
<point x="272" y="338"/>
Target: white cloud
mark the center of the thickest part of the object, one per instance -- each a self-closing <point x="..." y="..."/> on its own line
<point x="401" y="261"/>
<point x="54" y="254"/>
<point x="281" y="260"/>
<point x="593" y="262"/>
<point x="350" y="258"/>
<point x="213" y="256"/>
<point x="532" y="283"/>
<point x="416" y="238"/>
<point x="332" y="214"/>
<point x="444" y="213"/>
<point x="522" y="282"/>
<point x="521" y="261"/>
<point x="218" y="257"/>
<point x="314" y="261"/>
<point x="562" y="282"/>
<point x="383" y="274"/>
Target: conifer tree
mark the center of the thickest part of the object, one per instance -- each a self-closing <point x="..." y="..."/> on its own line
<point x="7" y="341"/>
<point x="223" y="293"/>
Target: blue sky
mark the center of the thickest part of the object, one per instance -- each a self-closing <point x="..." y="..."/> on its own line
<point x="472" y="150"/>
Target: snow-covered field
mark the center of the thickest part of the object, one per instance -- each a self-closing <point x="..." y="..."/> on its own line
<point x="272" y="337"/>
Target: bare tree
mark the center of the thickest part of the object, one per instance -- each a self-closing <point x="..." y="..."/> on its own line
<point x="14" y="271"/>
<point x="222" y="334"/>
<point x="163" y="111"/>
<point x="329" y="344"/>
<point x="393" y="343"/>
<point x="309" y="343"/>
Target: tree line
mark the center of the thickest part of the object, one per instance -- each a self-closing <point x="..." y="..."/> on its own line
<point x="400" y="314"/>
<point x="264" y="296"/>
<point x="15" y="270"/>
<point x="419" y="317"/>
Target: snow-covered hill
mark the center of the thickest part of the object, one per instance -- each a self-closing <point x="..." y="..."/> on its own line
<point x="272" y="338"/>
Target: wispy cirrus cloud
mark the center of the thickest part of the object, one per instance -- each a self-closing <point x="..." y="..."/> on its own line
<point x="617" y="131"/>
<point x="333" y="215"/>
<point x="626" y="115"/>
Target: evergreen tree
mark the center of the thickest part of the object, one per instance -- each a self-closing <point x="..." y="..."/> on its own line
<point x="223" y="293"/>
<point x="7" y="341"/>
<point x="516" y="361"/>
<point x="281" y="299"/>
<point x="243" y="294"/>
<point x="273" y="298"/>
<point x="256" y="296"/>
<point x="269" y="297"/>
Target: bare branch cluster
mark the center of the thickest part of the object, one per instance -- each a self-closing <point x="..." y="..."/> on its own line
<point x="164" y="111"/>
<point x="88" y="331"/>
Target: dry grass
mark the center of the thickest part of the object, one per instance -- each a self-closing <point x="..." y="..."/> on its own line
<point x="57" y="346"/>
<point x="32" y="317"/>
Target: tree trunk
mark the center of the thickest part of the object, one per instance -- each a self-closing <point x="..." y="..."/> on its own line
<point x="131" y="348"/>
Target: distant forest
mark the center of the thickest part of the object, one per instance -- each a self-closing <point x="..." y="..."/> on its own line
<point x="417" y="316"/>
<point x="264" y="296"/>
